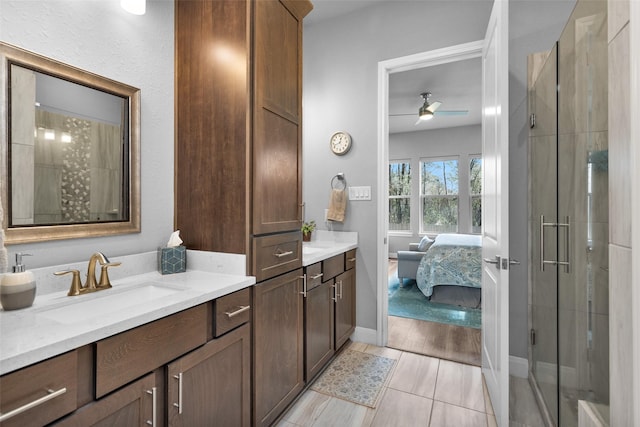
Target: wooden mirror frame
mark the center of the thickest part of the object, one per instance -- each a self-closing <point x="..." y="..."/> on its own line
<point x="40" y="233"/>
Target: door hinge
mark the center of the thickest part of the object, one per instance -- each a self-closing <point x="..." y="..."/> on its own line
<point x="532" y="120"/>
<point x="532" y="336"/>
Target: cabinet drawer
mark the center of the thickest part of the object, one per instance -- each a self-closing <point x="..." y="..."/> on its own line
<point x="350" y="259"/>
<point x="53" y="383"/>
<point x="131" y="354"/>
<point x="232" y="311"/>
<point x="314" y="275"/>
<point x="276" y="254"/>
<point x="333" y="266"/>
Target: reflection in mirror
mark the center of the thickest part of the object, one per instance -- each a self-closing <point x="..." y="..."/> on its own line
<point x="71" y="155"/>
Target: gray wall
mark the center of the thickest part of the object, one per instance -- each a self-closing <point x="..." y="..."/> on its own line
<point x="460" y="141"/>
<point x="341" y="56"/>
<point x="100" y="37"/>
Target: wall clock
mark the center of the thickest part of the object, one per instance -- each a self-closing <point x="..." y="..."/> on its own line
<point x="340" y="143"/>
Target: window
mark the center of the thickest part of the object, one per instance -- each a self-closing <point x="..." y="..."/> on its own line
<point x="399" y="196"/>
<point x="475" y="194"/>
<point x="439" y="195"/>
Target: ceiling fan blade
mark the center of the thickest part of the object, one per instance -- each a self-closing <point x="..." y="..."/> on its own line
<point x="434" y="106"/>
<point x="451" y="113"/>
<point x="400" y="115"/>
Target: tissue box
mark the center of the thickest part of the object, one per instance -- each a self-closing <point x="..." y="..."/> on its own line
<point x="172" y="260"/>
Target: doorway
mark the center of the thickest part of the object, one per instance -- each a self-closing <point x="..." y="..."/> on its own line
<point x="440" y="151"/>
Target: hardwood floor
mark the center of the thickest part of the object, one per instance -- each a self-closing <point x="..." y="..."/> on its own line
<point x="421" y="390"/>
<point x="449" y="342"/>
<point x="440" y="340"/>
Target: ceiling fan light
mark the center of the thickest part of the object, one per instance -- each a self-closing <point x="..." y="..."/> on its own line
<point x="424" y="113"/>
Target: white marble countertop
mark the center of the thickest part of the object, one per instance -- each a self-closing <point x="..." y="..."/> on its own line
<point x="326" y="244"/>
<point x="57" y="323"/>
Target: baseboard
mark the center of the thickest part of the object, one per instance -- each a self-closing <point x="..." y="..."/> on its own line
<point x="518" y="367"/>
<point x="365" y="335"/>
<point x="393" y="255"/>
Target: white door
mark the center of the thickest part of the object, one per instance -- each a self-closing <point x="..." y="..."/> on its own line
<point x="495" y="210"/>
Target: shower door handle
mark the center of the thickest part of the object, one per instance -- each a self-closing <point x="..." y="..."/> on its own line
<point x="543" y="224"/>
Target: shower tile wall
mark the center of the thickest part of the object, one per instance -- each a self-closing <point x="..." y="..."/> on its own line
<point x="77" y="181"/>
<point x="22" y="147"/>
<point x="583" y="288"/>
<point x="620" y="326"/>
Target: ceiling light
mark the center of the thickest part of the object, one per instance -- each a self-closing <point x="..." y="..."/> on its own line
<point x="137" y="7"/>
<point x="425" y="114"/>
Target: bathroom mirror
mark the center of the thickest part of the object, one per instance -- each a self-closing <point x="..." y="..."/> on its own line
<point x="70" y="151"/>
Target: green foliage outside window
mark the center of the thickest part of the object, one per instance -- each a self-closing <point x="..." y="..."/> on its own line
<point x="439" y="191"/>
<point x="400" y="196"/>
<point x="475" y="189"/>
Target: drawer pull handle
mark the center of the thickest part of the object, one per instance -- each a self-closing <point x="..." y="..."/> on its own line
<point x="335" y="293"/>
<point x="317" y="276"/>
<point x="179" y="404"/>
<point x="351" y="259"/>
<point x="304" y="285"/>
<point x="154" y="404"/>
<point x="241" y="309"/>
<point x="340" y="296"/>
<point x="51" y="395"/>
<point x="281" y="254"/>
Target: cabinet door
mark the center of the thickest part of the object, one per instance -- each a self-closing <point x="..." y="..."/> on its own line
<point x="319" y="332"/>
<point x="345" y="296"/>
<point x="211" y="385"/>
<point x="134" y="405"/>
<point x="277" y="155"/>
<point x="278" y="327"/>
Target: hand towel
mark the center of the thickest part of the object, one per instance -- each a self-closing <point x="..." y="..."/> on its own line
<point x="337" y="205"/>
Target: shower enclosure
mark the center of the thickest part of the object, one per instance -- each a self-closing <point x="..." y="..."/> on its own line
<point x="568" y="219"/>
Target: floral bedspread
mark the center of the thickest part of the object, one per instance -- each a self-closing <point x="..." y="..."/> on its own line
<point x="453" y="259"/>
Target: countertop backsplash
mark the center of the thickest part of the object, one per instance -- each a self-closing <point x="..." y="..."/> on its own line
<point x="132" y="265"/>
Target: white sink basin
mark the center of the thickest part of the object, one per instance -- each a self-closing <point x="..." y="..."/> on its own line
<point x="102" y="303"/>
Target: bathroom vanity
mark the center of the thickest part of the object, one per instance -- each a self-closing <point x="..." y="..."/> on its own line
<point x="117" y="356"/>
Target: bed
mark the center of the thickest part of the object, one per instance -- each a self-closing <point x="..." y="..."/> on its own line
<point x="453" y="259"/>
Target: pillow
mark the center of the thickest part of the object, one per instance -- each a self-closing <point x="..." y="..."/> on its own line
<point x="425" y="244"/>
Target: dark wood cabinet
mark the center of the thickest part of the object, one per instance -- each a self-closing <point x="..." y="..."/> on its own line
<point x="137" y="404"/>
<point x="278" y="325"/>
<point x="40" y="393"/>
<point x="211" y="385"/>
<point x="319" y="328"/>
<point x="238" y="121"/>
<point x="345" y="302"/>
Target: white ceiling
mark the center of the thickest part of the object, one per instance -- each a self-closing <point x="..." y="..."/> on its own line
<point x="457" y="85"/>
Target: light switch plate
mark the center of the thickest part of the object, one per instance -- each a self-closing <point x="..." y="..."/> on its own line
<point x="360" y="193"/>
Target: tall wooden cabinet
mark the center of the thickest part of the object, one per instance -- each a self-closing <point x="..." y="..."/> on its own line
<point x="238" y="167"/>
<point x="238" y="121"/>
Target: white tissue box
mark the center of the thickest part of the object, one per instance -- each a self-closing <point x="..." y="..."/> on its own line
<point x="172" y="260"/>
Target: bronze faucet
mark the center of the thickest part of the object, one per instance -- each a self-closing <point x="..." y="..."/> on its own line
<point x="91" y="285"/>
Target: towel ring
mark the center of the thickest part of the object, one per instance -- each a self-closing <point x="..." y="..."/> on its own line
<point x="337" y="181"/>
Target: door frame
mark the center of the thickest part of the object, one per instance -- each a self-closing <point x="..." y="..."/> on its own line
<point x="385" y="68"/>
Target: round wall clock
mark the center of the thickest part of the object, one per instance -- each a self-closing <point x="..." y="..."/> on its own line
<point x="340" y="143"/>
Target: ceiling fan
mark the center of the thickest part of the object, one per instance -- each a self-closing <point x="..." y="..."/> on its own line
<point x="428" y="110"/>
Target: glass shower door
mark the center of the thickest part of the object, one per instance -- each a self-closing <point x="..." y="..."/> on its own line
<point x="543" y="213"/>
<point x="583" y="341"/>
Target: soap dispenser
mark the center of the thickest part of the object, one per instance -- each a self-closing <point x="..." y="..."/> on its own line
<point x="18" y="289"/>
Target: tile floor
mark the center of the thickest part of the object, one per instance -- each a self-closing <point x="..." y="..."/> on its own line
<point x="420" y="391"/>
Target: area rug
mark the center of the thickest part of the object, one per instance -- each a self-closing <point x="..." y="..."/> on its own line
<point x="355" y="376"/>
<point x="407" y="301"/>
